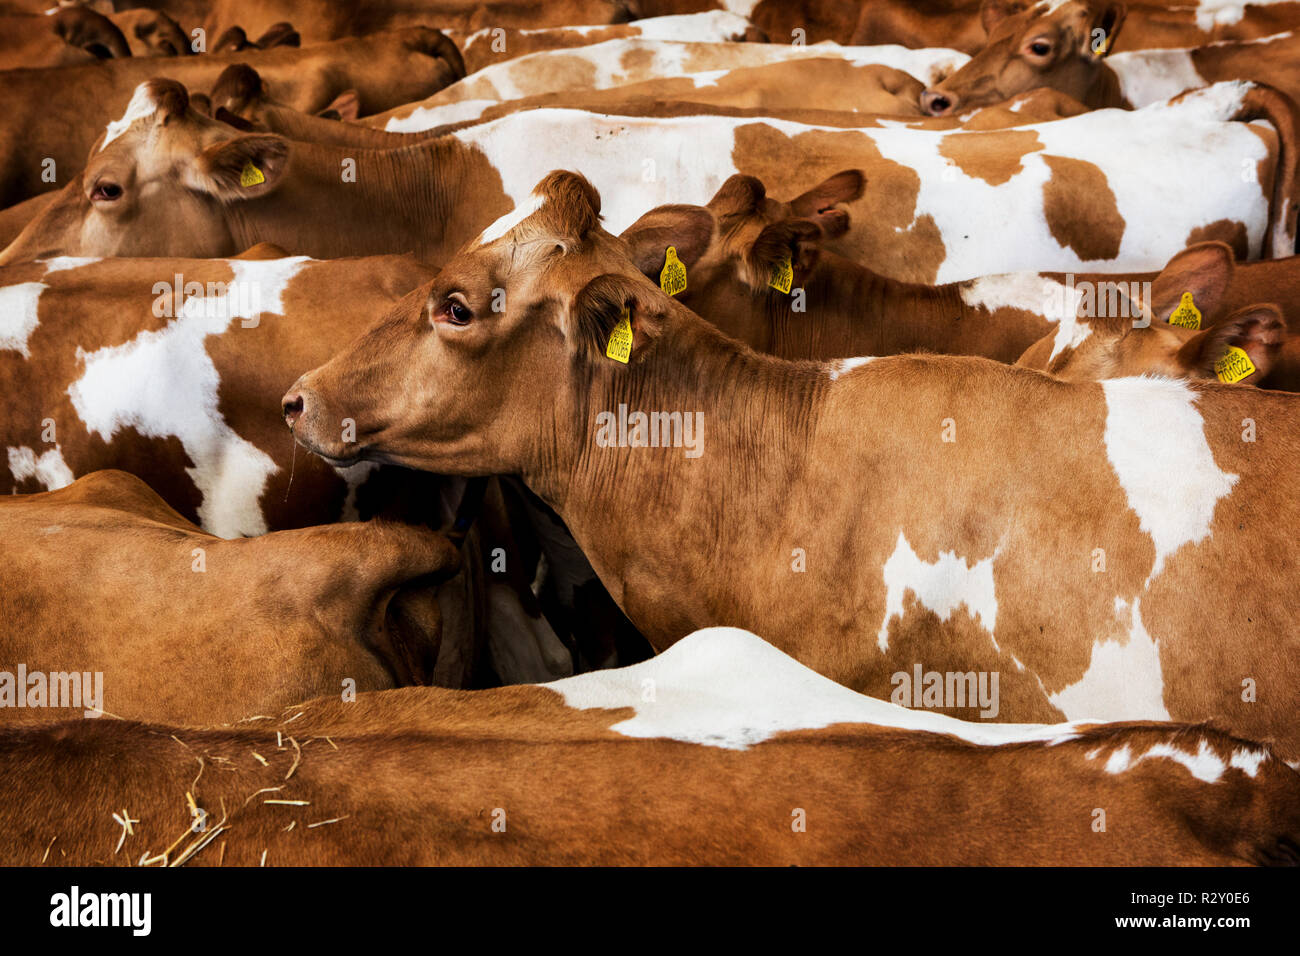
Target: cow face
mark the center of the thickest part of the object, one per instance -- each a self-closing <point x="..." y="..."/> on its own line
<point x="159" y="175"/>
<point x="474" y="373"/>
<point x="1046" y="44"/>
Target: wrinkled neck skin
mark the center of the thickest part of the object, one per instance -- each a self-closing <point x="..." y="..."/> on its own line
<point x="296" y="125"/>
<point x="402" y="201"/>
<point x="758" y="418"/>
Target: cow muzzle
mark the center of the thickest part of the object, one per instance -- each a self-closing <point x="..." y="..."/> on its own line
<point x="319" y="430"/>
<point x="938" y="103"/>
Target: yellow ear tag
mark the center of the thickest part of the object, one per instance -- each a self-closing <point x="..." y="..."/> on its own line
<point x="1233" y="365"/>
<point x="673" y="278"/>
<point x="1187" y="314"/>
<point x="1105" y="46"/>
<point x="251" y="175"/>
<point x="620" y="340"/>
<point x="782" y="276"/>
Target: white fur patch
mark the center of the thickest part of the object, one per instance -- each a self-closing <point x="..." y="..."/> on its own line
<point x="142" y="104"/>
<point x="163" y="383"/>
<point x="1124" y="681"/>
<point x="1155" y="441"/>
<point x="48" y="468"/>
<point x="511" y="219"/>
<point x="725" y="687"/>
<point x="19" y="314"/>
<point x="942" y="587"/>
<point x="844" y="366"/>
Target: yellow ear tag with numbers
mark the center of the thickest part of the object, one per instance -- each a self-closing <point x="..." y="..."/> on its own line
<point x="782" y="276"/>
<point x="250" y="175"/>
<point x="1233" y="366"/>
<point x="673" y="277"/>
<point x="620" y="340"/>
<point x="1187" y="314"/>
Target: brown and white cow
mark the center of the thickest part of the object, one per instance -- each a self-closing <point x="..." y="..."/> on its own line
<point x="835" y="308"/>
<point x="938" y="206"/>
<point x="596" y="769"/>
<point x="967" y="24"/>
<point x="494" y="44"/>
<point x="61" y="129"/>
<point x="910" y="512"/>
<point x="115" y="604"/>
<point x="673" y="70"/>
<point x="1067" y="47"/>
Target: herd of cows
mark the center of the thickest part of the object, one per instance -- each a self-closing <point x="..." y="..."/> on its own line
<point x="649" y="432"/>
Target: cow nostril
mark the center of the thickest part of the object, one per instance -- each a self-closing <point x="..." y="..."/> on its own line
<point x="936" y="104"/>
<point x="293" y="406"/>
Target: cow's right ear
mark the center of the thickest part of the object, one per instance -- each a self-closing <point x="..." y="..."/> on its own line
<point x="244" y="167"/>
<point x="616" y="319"/>
<point x="1202" y="271"/>
<point x="1241" y="349"/>
<point x="787" y="251"/>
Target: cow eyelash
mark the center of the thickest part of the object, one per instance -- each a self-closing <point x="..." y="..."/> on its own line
<point x="456" y="312"/>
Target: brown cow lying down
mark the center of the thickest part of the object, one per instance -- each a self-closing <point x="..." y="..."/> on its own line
<point x="938" y="206"/>
<point x="867" y="514"/>
<point x="104" y="586"/>
<point x="385" y="70"/>
<point x="593" y="769"/>
<point x="173" y="369"/>
<point x="682" y="71"/>
<point x="729" y="250"/>
<point x="71" y="36"/>
<point x="493" y="44"/>
<point x="1066" y="47"/>
<point x="967" y="24"/>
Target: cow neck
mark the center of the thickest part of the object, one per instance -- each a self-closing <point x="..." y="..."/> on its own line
<point x="854" y="311"/>
<point x="1104" y="93"/>
<point x="403" y="201"/>
<point x="296" y="125"/>
<point x="759" y="417"/>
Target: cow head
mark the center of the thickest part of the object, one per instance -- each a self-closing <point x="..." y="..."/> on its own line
<point x="1117" y="347"/>
<point x="734" y="246"/>
<point x="1051" y="43"/>
<point x="159" y="179"/>
<point x="485" y="370"/>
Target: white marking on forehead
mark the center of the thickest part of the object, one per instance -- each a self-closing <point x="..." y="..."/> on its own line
<point x="142" y="104"/>
<point x="942" y="586"/>
<point x="844" y="366"/>
<point x="163" y="383"/>
<point x="511" y="219"/>
<point x="49" y="468"/>
<point x="1124" y="681"/>
<point x="19" y="314"/>
<point x="725" y="687"/>
<point x="1155" y="441"/>
<point x="1204" y="765"/>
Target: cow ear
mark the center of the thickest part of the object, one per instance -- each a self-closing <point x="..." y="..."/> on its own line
<point x="1102" y="27"/>
<point x="822" y="199"/>
<point x="993" y="12"/>
<point x="740" y="195"/>
<point x="689" y="230"/>
<point x="1202" y="271"/>
<point x="784" y="252"/>
<point x="604" y="311"/>
<point x="244" y="167"/>
<point x="1258" y="331"/>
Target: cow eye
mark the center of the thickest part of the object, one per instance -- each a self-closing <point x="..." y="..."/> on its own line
<point x="106" y="192"/>
<point x="1040" y="48"/>
<point x="457" y="313"/>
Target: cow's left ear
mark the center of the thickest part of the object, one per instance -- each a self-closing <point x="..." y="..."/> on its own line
<point x="1101" y="25"/>
<point x="616" y="319"/>
<point x="687" y="229"/>
<point x="244" y="167"/>
<point x="1239" y="350"/>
